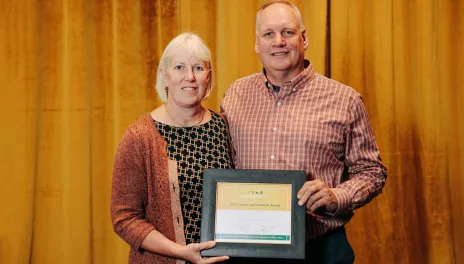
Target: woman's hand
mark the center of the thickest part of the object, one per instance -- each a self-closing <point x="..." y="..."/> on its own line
<point x="157" y="243"/>
<point x="191" y="252"/>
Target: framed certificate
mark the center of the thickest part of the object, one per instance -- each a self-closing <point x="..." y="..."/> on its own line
<point x="253" y="213"/>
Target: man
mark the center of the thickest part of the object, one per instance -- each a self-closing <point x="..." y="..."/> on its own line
<point x="289" y="117"/>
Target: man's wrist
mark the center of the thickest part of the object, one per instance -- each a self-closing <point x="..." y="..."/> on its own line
<point x="342" y="199"/>
<point x="332" y="206"/>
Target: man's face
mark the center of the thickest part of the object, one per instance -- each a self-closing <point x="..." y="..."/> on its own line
<point x="279" y="41"/>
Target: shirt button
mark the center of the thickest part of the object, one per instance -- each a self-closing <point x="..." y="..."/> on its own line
<point x="279" y="103"/>
<point x="274" y="129"/>
<point x="294" y="89"/>
<point x="272" y="157"/>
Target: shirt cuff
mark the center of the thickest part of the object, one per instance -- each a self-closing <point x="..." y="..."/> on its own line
<point x="343" y="200"/>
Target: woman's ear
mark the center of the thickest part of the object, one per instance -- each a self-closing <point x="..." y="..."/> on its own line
<point x="165" y="76"/>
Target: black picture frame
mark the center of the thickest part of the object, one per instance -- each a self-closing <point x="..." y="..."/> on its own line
<point x="295" y="250"/>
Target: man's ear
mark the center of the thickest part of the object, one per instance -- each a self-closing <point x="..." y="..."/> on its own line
<point x="256" y="45"/>
<point x="209" y="75"/>
<point x="305" y="38"/>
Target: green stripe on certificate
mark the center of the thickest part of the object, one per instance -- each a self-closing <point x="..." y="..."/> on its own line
<point x="253" y="237"/>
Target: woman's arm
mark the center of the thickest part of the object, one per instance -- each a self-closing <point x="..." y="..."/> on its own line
<point x="128" y="199"/>
<point x="129" y="190"/>
<point x="158" y="243"/>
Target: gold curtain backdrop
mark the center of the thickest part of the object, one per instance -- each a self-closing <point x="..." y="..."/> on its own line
<point x="75" y="73"/>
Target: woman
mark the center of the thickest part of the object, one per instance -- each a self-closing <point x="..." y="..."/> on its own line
<point x="157" y="177"/>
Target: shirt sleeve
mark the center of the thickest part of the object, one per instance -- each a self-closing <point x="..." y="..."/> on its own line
<point x="129" y="191"/>
<point x="366" y="172"/>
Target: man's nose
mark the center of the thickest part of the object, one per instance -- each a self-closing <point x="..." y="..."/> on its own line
<point x="279" y="40"/>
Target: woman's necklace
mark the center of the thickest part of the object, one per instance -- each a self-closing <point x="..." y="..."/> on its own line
<point x="175" y="121"/>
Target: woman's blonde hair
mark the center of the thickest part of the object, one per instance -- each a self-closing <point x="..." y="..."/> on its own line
<point x="196" y="47"/>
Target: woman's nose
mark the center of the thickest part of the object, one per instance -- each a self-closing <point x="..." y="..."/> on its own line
<point x="190" y="75"/>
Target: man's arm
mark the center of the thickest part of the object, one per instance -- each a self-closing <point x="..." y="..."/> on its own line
<point x="366" y="172"/>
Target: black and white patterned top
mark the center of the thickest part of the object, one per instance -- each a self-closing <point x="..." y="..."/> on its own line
<point x="194" y="149"/>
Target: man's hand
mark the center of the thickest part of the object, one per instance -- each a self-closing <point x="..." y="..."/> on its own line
<point x="316" y="194"/>
<point x="192" y="253"/>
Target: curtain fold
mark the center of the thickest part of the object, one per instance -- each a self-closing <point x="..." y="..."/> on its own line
<point x="76" y="73"/>
<point x="398" y="55"/>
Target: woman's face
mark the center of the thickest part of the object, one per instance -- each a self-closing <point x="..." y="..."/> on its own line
<point x="186" y="78"/>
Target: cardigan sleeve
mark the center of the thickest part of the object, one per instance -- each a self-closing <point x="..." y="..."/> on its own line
<point x="129" y="190"/>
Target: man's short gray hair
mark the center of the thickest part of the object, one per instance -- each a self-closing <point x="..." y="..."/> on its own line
<point x="266" y="5"/>
<point x="196" y="47"/>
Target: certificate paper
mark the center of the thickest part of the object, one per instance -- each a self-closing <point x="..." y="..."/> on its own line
<point x="253" y="213"/>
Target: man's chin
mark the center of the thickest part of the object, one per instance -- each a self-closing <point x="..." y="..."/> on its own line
<point x="278" y="68"/>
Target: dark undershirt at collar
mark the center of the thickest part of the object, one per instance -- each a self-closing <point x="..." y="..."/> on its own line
<point x="275" y="87"/>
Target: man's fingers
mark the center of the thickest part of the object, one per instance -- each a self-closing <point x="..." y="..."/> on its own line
<point x="319" y="203"/>
<point x="313" y="199"/>
<point x="306" y="185"/>
<point x="308" y="189"/>
<point x="304" y="198"/>
<point x="303" y="189"/>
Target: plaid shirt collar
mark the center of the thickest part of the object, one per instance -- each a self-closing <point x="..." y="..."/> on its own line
<point x="294" y="84"/>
